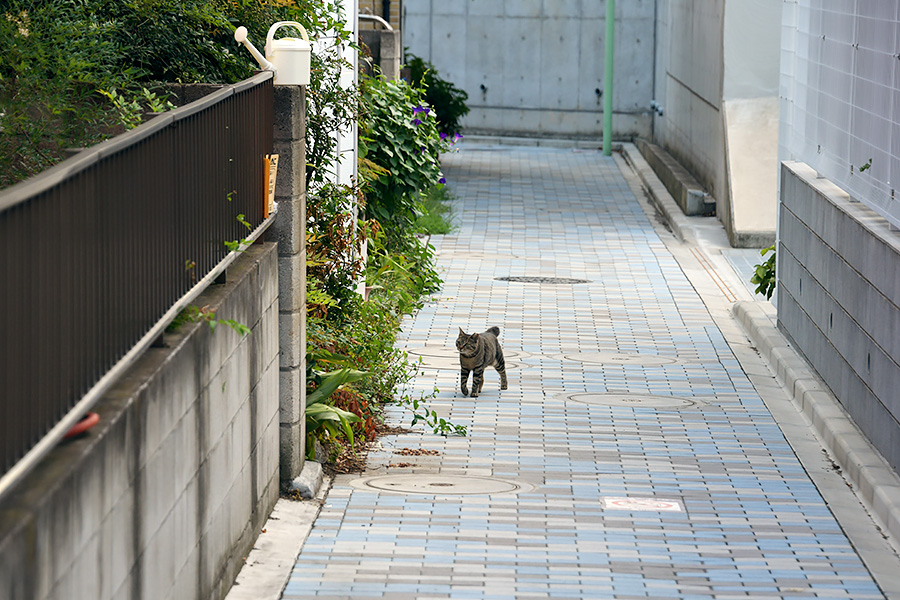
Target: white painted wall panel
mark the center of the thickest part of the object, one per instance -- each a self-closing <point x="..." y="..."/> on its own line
<point x="840" y="79"/>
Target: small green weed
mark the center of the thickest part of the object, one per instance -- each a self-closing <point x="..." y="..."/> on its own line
<point x="435" y="212"/>
<point x="430" y="417"/>
<point x="764" y="274"/>
<point x="239" y="245"/>
<point x="195" y="314"/>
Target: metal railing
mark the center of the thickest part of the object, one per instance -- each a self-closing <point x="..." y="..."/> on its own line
<point x="98" y="253"/>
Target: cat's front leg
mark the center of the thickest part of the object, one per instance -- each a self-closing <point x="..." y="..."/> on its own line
<point x="463" y="381"/>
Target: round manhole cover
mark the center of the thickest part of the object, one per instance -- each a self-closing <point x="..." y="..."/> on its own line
<point x="544" y="280"/>
<point x="617" y="358"/>
<point x="440" y="484"/>
<point x="631" y="400"/>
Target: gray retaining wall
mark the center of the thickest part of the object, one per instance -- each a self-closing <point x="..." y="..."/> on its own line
<point x="165" y="496"/>
<point x="839" y="299"/>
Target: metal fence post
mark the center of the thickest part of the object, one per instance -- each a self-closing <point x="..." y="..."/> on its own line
<point x="289" y="230"/>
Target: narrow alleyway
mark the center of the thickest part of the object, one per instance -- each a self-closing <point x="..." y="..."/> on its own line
<point x="631" y="456"/>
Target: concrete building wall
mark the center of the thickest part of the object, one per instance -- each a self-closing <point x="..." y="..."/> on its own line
<point x="716" y="80"/>
<point x="839" y="299"/>
<point x="165" y="496"/>
<point x="751" y="49"/>
<point x="690" y="71"/>
<point x="535" y="67"/>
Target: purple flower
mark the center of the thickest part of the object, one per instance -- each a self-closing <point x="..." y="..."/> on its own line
<point x="442" y="180"/>
<point x="417" y="121"/>
<point x="456" y="137"/>
<point x="421" y="149"/>
<point x="421" y="109"/>
<point x="443" y="136"/>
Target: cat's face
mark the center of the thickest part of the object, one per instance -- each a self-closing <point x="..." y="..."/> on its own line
<point x="467" y="344"/>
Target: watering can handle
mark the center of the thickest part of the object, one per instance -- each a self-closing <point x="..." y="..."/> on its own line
<point x="273" y="28"/>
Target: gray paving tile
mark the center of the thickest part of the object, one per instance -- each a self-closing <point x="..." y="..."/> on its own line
<point x="752" y="525"/>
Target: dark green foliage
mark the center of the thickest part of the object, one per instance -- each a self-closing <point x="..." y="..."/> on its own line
<point x="57" y="55"/>
<point x="447" y="100"/>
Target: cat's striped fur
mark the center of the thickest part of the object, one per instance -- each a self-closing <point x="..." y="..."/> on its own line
<point x="477" y="352"/>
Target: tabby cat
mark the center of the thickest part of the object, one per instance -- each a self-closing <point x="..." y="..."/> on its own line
<point x="477" y="352"/>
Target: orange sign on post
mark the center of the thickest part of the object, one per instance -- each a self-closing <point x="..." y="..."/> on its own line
<point x="271" y="171"/>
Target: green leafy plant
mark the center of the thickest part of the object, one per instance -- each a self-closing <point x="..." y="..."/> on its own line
<point x="58" y="54"/>
<point x="334" y="249"/>
<point x="323" y="419"/>
<point x="764" y="274"/>
<point x="448" y="101"/>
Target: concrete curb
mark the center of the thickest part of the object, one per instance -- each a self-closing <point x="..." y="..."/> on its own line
<point x="659" y="195"/>
<point x="308" y="483"/>
<point x="876" y="483"/>
<point x="476" y="139"/>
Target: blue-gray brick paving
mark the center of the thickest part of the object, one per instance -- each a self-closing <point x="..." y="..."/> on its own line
<point x="749" y="522"/>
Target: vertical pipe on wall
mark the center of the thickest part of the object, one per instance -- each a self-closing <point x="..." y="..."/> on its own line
<point x="608" y="78"/>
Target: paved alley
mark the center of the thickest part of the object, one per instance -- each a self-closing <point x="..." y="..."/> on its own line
<point x="631" y="457"/>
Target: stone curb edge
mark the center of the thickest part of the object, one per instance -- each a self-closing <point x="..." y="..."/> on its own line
<point x="659" y="195"/>
<point x="875" y="481"/>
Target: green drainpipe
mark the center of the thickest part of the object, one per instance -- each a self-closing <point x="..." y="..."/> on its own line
<point x="608" y="78"/>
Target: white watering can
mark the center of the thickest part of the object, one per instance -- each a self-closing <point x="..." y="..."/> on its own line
<point x="288" y="57"/>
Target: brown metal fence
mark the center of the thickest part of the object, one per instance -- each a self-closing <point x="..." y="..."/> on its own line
<point x="96" y="250"/>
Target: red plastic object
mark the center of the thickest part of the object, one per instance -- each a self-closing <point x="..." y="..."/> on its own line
<point x="83" y="425"/>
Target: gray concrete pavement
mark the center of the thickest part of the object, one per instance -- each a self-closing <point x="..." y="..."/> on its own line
<point x="645" y="448"/>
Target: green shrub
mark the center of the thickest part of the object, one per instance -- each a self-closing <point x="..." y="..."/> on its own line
<point x="59" y="54"/>
<point x="399" y="136"/>
<point x="448" y="101"/>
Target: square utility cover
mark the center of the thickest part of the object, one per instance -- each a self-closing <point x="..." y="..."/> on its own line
<point x="642" y="504"/>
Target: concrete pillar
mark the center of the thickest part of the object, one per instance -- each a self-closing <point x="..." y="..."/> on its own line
<point x="289" y="231"/>
<point x="386" y="51"/>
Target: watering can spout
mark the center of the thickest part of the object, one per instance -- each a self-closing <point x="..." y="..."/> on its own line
<point x="240" y="36"/>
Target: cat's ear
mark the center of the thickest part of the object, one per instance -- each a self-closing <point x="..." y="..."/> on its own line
<point x="474" y="337"/>
<point x="461" y="332"/>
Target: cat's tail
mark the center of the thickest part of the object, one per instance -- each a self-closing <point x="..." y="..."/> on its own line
<point x="495" y="331"/>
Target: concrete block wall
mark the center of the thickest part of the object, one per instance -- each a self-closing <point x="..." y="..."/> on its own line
<point x="289" y="232"/>
<point x="166" y="495"/>
<point x="839" y="299"/>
